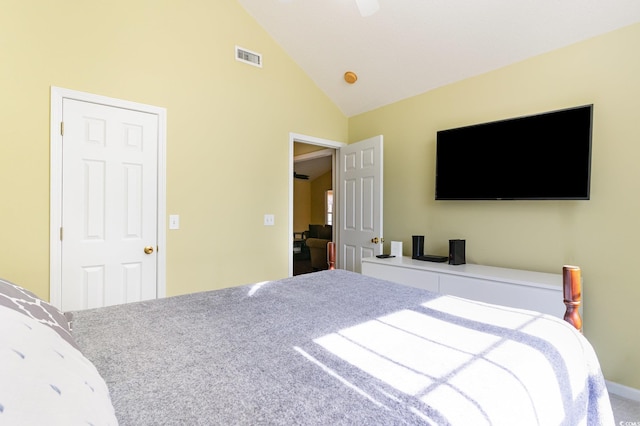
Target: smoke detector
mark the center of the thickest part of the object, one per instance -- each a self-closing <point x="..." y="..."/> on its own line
<point x="350" y="77"/>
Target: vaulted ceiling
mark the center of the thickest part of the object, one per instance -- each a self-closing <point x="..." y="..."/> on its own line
<point x="408" y="47"/>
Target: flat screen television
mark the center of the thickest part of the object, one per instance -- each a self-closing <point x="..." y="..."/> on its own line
<point x="538" y="157"/>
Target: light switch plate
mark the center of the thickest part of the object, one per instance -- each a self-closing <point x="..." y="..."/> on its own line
<point x="269" y="220"/>
<point x="174" y="221"/>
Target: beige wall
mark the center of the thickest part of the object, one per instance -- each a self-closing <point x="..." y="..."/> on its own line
<point x="600" y="235"/>
<point x="228" y="127"/>
<point x="308" y="201"/>
<point x="319" y="187"/>
<point x="301" y="205"/>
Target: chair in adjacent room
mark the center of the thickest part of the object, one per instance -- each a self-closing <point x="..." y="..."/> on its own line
<point x="318" y="238"/>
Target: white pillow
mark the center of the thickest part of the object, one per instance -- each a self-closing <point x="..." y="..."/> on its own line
<point x="45" y="380"/>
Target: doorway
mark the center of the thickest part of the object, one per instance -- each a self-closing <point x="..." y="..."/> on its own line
<point x="312" y="206"/>
<point x="315" y="152"/>
<point x="358" y="198"/>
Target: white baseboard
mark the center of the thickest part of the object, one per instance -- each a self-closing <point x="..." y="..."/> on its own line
<point x="623" y="391"/>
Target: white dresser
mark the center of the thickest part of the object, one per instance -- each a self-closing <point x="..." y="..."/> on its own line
<point x="536" y="291"/>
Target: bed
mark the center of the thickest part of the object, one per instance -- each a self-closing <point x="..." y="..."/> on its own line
<point x="326" y="348"/>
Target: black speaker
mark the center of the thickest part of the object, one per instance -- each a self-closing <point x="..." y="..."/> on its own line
<point x="456" y="252"/>
<point x="418" y="246"/>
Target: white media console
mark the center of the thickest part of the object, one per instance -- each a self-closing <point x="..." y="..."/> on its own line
<point x="536" y="291"/>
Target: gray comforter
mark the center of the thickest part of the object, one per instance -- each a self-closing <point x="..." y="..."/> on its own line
<point x="336" y="347"/>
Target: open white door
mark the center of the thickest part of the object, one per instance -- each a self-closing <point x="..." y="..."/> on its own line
<point x="360" y="208"/>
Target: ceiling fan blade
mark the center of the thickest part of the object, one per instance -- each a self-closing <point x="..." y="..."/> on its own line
<point x="367" y="7"/>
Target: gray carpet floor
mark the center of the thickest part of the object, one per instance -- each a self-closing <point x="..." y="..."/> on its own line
<point x="625" y="411"/>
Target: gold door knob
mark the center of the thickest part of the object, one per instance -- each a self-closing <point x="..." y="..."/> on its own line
<point x="148" y="249"/>
<point x="375" y="240"/>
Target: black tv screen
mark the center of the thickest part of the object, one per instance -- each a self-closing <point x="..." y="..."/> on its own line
<point x="539" y="157"/>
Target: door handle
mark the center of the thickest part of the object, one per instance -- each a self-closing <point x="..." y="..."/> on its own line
<point x="148" y="249"/>
<point x="376" y="240"/>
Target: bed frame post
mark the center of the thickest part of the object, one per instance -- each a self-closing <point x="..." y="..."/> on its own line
<point x="572" y="289"/>
<point x="331" y="254"/>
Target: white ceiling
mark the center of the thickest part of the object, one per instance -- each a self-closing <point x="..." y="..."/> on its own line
<point x="313" y="168"/>
<point x="313" y="164"/>
<point x="409" y="47"/>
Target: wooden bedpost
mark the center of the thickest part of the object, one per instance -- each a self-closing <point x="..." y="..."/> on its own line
<point x="572" y="289"/>
<point x="331" y="254"/>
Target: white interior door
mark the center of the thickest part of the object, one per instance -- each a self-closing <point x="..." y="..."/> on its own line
<point x="109" y="205"/>
<point x="360" y="208"/>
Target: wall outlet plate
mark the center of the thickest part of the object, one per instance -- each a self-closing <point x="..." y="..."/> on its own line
<point x="269" y="220"/>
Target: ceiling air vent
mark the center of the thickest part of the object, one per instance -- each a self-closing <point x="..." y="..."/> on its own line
<point x="248" y="57"/>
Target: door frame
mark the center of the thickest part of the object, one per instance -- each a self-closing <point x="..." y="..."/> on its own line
<point x="55" y="196"/>
<point x="312" y="140"/>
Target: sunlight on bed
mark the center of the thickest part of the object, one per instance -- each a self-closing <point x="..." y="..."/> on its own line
<point x="257" y="286"/>
<point x="337" y="376"/>
<point x="458" y="363"/>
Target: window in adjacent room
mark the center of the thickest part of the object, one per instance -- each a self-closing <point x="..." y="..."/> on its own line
<point x="328" y="207"/>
